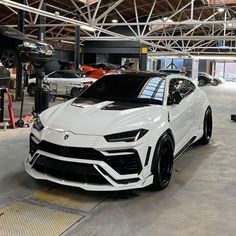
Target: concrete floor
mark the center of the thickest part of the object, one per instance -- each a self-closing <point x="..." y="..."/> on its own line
<point x="201" y="198"/>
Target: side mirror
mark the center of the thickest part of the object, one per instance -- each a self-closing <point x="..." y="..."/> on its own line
<point x="175" y="97"/>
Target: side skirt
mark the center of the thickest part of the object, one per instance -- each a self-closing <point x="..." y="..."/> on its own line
<point x="185" y="147"/>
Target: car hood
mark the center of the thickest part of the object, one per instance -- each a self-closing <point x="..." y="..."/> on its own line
<point x="100" y="118"/>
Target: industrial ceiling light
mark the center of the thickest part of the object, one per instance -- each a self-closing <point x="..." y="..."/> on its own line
<point x="221" y="9"/>
<point x="166" y="19"/>
<point x="89" y="2"/>
<point x="88" y="28"/>
<point x="114" y="21"/>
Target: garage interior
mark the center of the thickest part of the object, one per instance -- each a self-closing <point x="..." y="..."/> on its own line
<point x="198" y="35"/>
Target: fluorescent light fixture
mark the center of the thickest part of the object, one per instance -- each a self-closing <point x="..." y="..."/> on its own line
<point x="221" y="9"/>
<point x="165" y="19"/>
<point x="88" y="28"/>
<point x="114" y="21"/>
<point x="216" y="57"/>
<point x="68" y="42"/>
<point x="89" y="2"/>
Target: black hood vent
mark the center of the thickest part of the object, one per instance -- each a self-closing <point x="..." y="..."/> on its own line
<point x="120" y="106"/>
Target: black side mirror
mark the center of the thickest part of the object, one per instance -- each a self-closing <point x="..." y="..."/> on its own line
<point x="175" y="97"/>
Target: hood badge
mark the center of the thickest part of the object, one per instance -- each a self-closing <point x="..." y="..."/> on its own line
<point x="66" y="136"/>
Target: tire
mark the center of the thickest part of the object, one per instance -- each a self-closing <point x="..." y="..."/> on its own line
<point x="215" y="82"/>
<point x="207" y="127"/>
<point x="31" y="89"/>
<point x="75" y="92"/>
<point x="38" y="64"/>
<point x="162" y="165"/>
<point x="201" y="82"/>
<point x="9" y="58"/>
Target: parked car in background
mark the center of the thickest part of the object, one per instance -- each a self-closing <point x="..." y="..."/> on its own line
<point x="4" y="76"/>
<point x="123" y="132"/>
<point x="16" y="46"/>
<point x="65" y="82"/>
<point x="217" y="80"/>
<point x="203" y="78"/>
<point x="97" y="70"/>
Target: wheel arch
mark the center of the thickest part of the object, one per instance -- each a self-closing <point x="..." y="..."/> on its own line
<point x="170" y="133"/>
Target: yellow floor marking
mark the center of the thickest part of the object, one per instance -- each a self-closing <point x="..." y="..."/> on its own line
<point x="70" y="199"/>
<point x="20" y="218"/>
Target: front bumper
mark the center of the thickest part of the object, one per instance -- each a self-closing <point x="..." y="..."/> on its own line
<point x="97" y="170"/>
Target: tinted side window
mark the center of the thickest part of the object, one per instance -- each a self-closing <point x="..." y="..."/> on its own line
<point x="55" y="75"/>
<point x="185" y="87"/>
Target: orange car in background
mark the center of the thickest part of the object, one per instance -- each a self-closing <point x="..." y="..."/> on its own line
<point x="97" y="70"/>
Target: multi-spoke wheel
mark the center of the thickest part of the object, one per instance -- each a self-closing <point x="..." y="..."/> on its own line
<point x="8" y="58"/>
<point x="207" y="127"/>
<point x="215" y="82"/>
<point x="76" y="91"/>
<point x="162" y="165"/>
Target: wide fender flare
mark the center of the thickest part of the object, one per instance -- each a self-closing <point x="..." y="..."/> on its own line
<point x="160" y="130"/>
<point x="202" y="112"/>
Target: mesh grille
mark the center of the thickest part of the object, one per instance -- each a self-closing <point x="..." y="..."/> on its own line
<point x="70" y="171"/>
<point x="122" y="164"/>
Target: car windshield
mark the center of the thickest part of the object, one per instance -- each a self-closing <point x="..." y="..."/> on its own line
<point x="106" y="66"/>
<point x="127" y="88"/>
<point x="12" y="32"/>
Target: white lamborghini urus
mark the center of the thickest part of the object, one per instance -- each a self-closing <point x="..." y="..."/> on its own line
<point x="123" y="132"/>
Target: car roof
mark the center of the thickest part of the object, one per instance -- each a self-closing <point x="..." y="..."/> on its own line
<point x="70" y="71"/>
<point x="139" y="74"/>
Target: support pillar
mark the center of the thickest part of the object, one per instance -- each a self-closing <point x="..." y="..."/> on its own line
<point x="21" y="27"/>
<point x="195" y="67"/>
<point x="77" y="46"/>
<point x="42" y="21"/>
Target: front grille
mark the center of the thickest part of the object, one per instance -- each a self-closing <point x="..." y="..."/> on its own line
<point x="72" y="152"/>
<point x="70" y="171"/>
<point x="125" y="164"/>
<point x="122" y="164"/>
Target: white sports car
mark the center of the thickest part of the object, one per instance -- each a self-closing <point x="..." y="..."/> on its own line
<point x="64" y="82"/>
<point x="123" y="132"/>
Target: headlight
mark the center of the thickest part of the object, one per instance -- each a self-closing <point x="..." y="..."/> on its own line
<point x="129" y="136"/>
<point x="29" y="45"/>
<point x="38" y="125"/>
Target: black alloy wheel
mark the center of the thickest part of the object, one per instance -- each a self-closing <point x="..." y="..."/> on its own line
<point x="215" y="82"/>
<point x="38" y="64"/>
<point x="9" y="58"/>
<point x="207" y="127"/>
<point x="162" y="165"/>
<point x="75" y="92"/>
<point x="201" y="82"/>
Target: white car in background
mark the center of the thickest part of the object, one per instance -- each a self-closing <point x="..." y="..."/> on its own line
<point x="123" y="132"/>
<point x="63" y="82"/>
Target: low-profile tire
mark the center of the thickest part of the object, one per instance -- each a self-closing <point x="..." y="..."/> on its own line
<point x="215" y="82"/>
<point x="207" y="127"/>
<point x="162" y="165"/>
<point x="38" y="64"/>
<point x="75" y="92"/>
<point x="31" y="89"/>
<point x="9" y="57"/>
<point x="201" y="82"/>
